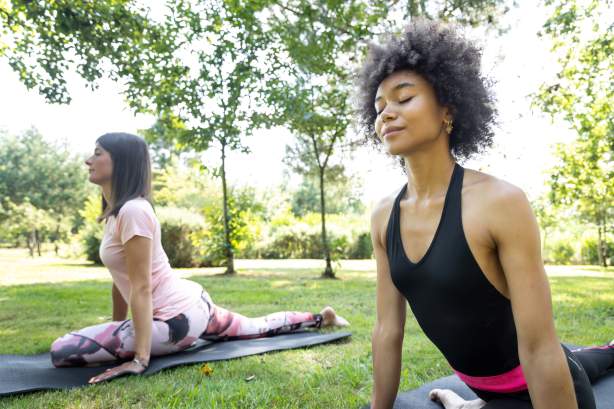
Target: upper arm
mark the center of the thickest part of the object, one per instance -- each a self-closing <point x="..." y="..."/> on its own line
<point x="138" y="262"/>
<point x="391" y="305"/>
<point x="516" y="234"/>
<point x="136" y="226"/>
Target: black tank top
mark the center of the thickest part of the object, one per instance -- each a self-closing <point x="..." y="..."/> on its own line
<point x="458" y="309"/>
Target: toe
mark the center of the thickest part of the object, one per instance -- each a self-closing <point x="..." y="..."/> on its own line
<point x="341" y="322"/>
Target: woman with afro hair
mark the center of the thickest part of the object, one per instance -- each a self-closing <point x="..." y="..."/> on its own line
<point x="460" y="246"/>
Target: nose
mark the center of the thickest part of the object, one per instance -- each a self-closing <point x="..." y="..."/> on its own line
<point x="388" y="114"/>
<point x="88" y="161"/>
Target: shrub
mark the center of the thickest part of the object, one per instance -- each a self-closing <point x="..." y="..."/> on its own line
<point x="245" y="214"/>
<point x="291" y="237"/>
<point x="362" y="247"/>
<point x="179" y="230"/>
<point x="588" y="250"/>
<point x="562" y="252"/>
<point x="91" y="236"/>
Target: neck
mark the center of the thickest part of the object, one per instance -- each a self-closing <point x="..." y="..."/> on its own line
<point x="428" y="173"/>
<point x="106" y="192"/>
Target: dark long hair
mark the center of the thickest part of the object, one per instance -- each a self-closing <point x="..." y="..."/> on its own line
<point x="131" y="177"/>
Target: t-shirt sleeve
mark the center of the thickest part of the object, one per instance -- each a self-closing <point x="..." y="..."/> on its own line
<point x="135" y="219"/>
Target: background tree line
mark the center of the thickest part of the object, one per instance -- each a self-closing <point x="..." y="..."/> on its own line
<point x="48" y="200"/>
<point x="213" y="71"/>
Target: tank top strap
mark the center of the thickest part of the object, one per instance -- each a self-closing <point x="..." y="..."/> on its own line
<point x="452" y="214"/>
<point x="392" y="232"/>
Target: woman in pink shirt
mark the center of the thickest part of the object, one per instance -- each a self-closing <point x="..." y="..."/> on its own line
<point x="168" y="312"/>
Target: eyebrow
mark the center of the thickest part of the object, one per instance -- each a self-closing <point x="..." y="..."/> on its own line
<point x="398" y="86"/>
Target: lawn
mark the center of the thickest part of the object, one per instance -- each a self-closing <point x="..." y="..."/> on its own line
<point x="331" y="376"/>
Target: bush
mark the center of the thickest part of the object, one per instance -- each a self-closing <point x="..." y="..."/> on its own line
<point x="362" y="247"/>
<point x="245" y="214"/>
<point x="179" y="230"/>
<point x="588" y="250"/>
<point x="562" y="253"/>
<point x="91" y="231"/>
<point x="91" y="236"/>
<point x="291" y="237"/>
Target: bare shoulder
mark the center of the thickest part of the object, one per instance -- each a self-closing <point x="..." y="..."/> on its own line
<point x="380" y="215"/>
<point x="483" y="191"/>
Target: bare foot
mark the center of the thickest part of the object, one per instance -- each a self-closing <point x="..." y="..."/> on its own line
<point x="330" y="318"/>
<point x="450" y="400"/>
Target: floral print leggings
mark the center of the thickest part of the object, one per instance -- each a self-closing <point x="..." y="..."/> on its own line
<point x="115" y="340"/>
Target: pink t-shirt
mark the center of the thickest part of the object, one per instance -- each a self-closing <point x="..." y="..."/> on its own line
<point x="171" y="295"/>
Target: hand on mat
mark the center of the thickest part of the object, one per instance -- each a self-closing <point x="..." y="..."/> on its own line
<point x="130" y="367"/>
<point x="450" y="400"/>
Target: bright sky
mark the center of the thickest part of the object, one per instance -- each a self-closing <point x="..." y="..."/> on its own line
<point x="519" y="61"/>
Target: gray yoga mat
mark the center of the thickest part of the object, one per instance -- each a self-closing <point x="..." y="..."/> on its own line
<point x="419" y="398"/>
<point x="20" y="374"/>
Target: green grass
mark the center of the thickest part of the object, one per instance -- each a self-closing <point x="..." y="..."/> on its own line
<point x="330" y="376"/>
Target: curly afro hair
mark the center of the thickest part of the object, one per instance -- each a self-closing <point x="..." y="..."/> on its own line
<point x="451" y="64"/>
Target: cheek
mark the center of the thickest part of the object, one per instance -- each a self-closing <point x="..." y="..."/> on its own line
<point x="105" y="166"/>
<point x="420" y="114"/>
<point x="378" y="125"/>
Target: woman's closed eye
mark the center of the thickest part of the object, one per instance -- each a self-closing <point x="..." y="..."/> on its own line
<point x="402" y="101"/>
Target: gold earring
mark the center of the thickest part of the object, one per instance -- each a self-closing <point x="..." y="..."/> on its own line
<point x="448" y="124"/>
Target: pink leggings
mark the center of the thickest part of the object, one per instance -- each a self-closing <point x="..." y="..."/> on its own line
<point x="115" y="340"/>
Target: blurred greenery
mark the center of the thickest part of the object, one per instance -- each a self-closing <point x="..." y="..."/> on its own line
<point x="582" y="95"/>
<point x="41" y="186"/>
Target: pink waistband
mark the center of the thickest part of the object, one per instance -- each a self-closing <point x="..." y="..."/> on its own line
<point x="512" y="381"/>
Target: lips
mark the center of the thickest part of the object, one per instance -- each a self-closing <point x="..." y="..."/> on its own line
<point x="389" y="130"/>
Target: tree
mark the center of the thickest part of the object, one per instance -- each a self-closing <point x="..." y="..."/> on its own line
<point x="318" y="130"/>
<point x="195" y="67"/>
<point x="41" y="187"/>
<point x="43" y="40"/>
<point x="246" y="215"/>
<point x="218" y="93"/>
<point x="581" y="95"/>
<point x="322" y="41"/>
<point x="200" y="66"/>
<point x="25" y="221"/>
<point x="546" y="215"/>
<point x="342" y="193"/>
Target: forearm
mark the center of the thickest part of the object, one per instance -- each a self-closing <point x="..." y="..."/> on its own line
<point x="387" y="353"/>
<point x="120" y="306"/>
<point x="142" y="318"/>
<point x="547" y="374"/>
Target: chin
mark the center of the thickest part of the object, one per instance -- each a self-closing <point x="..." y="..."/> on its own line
<point x="399" y="149"/>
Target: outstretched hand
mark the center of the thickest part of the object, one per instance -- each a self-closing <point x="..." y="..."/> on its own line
<point x="130" y="367"/>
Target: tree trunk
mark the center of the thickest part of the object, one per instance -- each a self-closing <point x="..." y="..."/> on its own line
<point x="38" y="241"/>
<point x="230" y="263"/>
<point x="328" y="271"/>
<point x="600" y="247"/>
<point x="30" y="243"/>
<point x="57" y="238"/>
